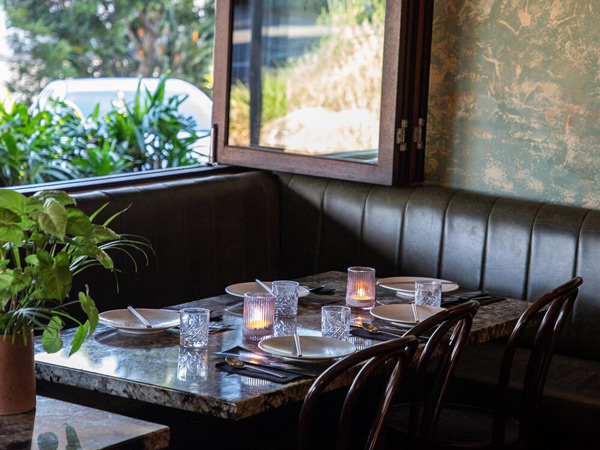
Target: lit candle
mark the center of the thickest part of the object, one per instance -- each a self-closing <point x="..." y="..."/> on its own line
<point x="360" y="294"/>
<point x="259" y="314"/>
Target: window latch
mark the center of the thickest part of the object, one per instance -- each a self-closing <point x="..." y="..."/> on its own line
<point x="401" y="135"/>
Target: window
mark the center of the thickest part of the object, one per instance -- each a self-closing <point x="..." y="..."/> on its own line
<point x="78" y="74"/>
<point x="324" y="87"/>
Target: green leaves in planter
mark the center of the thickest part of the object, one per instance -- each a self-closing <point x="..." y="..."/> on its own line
<point x="45" y="240"/>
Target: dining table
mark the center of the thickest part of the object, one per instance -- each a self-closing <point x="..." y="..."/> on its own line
<point x="155" y="370"/>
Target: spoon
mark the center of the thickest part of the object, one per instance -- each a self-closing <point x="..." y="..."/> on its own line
<point x="234" y="362"/>
<point x="374" y="330"/>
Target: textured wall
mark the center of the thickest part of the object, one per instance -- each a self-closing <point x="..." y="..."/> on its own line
<point x="514" y="103"/>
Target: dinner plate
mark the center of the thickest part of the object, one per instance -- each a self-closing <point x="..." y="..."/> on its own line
<point x="123" y="320"/>
<point x="405" y="286"/>
<point x="403" y="312"/>
<point x="252" y="286"/>
<point x="313" y="347"/>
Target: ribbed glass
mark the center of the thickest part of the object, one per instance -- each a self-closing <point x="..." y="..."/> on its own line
<point x="360" y="294"/>
<point x="259" y="313"/>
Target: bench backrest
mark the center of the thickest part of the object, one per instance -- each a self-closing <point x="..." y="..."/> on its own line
<point x="516" y="248"/>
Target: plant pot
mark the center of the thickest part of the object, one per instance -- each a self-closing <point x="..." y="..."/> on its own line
<point x="17" y="375"/>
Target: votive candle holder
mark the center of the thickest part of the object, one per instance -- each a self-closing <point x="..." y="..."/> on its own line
<point x="360" y="293"/>
<point x="259" y="314"/>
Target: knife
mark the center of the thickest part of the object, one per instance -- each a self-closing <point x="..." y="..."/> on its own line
<point x="255" y="358"/>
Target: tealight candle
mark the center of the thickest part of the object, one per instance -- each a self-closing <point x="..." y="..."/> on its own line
<point x="259" y="314"/>
<point x="360" y="294"/>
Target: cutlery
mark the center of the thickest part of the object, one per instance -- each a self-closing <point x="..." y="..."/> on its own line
<point x="251" y="358"/>
<point x="297" y="344"/>
<point x="412" y="283"/>
<point x="375" y="330"/>
<point x="239" y="364"/>
<point x="264" y="286"/>
<point x="139" y="316"/>
<point x="415" y="312"/>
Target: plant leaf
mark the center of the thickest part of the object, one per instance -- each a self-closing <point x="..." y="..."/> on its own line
<point x="80" y="335"/>
<point x="104" y="234"/>
<point x="51" y="340"/>
<point x="6" y="279"/>
<point x="89" y="307"/>
<point x="53" y="218"/>
<point x="56" y="282"/>
<point x="13" y="201"/>
<point x="60" y="196"/>
<point x="78" y="224"/>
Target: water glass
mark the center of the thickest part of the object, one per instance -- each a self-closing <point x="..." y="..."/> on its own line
<point x="284" y="326"/>
<point x="193" y="328"/>
<point x="286" y="298"/>
<point x="335" y="322"/>
<point x="258" y="316"/>
<point x="428" y="293"/>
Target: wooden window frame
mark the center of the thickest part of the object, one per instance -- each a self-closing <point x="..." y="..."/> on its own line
<point x="405" y="82"/>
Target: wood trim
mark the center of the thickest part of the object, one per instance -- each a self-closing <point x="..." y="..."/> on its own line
<point x="397" y="80"/>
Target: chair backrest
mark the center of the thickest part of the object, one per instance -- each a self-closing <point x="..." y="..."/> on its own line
<point x="557" y="304"/>
<point x="385" y="363"/>
<point x="449" y="331"/>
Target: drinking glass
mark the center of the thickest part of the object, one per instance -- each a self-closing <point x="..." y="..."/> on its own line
<point x="286" y="298"/>
<point x="258" y="316"/>
<point x="428" y="293"/>
<point x="335" y="322"/>
<point x="193" y="328"/>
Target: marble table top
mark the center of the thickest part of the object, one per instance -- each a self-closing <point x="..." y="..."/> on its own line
<point x="153" y="368"/>
<point x="57" y="424"/>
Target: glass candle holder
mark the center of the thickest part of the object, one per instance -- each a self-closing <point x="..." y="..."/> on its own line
<point x="259" y="314"/>
<point x="360" y="294"/>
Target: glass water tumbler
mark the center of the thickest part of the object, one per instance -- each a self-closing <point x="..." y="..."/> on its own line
<point x="360" y="294"/>
<point x="428" y="293"/>
<point x="259" y="314"/>
<point x="286" y="298"/>
<point x="193" y="327"/>
<point x="335" y="322"/>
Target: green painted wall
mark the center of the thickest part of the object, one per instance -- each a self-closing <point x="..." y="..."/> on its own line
<point x="514" y="105"/>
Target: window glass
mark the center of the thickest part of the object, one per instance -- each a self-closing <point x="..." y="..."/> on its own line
<point x="103" y="87"/>
<point x="306" y="77"/>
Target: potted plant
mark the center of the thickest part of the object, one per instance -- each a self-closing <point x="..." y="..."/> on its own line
<point x="45" y="240"/>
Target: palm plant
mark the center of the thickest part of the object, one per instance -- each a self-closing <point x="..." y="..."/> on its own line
<point x="44" y="242"/>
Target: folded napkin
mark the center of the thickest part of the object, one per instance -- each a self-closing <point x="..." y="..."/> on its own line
<point x="248" y="372"/>
<point x="483" y="297"/>
<point x="381" y="336"/>
<point x="315" y="299"/>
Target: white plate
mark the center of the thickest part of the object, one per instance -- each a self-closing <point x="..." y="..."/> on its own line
<point x="405" y="286"/>
<point x="252" y="286"/>
<point x="403" y="313"/>
<point x="125" y="321"/>
<point x="313" y="347"/>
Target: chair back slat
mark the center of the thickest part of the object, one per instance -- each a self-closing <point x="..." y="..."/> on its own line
<point x="450" y="333"/>
<point x="386" y="361"/>
<point x="558" y="303"/>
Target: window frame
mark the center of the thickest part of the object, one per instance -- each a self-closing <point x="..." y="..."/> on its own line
<point x="404" y="62"/>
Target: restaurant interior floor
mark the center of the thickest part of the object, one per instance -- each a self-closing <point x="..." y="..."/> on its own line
<point x="274" y="430"/>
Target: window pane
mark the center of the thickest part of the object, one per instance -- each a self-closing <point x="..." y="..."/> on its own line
<point x="306" y="77"/>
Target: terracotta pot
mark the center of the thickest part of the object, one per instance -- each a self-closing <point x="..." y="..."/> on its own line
<point x="17" y="375"/>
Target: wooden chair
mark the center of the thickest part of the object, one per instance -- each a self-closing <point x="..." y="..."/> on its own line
<point x="413" y="422"/>
<point x="462" y="426"/>
<point x="369" y="396"/>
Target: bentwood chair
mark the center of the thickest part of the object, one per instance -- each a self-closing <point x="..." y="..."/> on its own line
<point x="367" y="401"/>
<point x="463" y="426"/>
<point x="413" y="422"/>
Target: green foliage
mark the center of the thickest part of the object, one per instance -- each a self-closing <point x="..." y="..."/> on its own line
<point x="68" y="39"/>
<point x="45" y="240"/>
<point x="58" y="144"/>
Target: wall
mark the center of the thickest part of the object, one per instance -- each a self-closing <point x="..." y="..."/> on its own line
<point x="514" y="103"/>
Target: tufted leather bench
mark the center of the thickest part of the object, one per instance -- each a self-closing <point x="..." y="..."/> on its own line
<point x="209" y="232"/>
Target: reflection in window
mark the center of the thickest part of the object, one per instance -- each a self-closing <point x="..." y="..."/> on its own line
<point x="306" y="76"/>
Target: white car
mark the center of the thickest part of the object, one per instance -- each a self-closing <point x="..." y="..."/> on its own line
<point x="85" y="93"/>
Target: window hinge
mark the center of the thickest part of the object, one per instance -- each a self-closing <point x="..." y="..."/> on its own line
<point x="401" y="135"/>
<point x="418" y="134"/>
